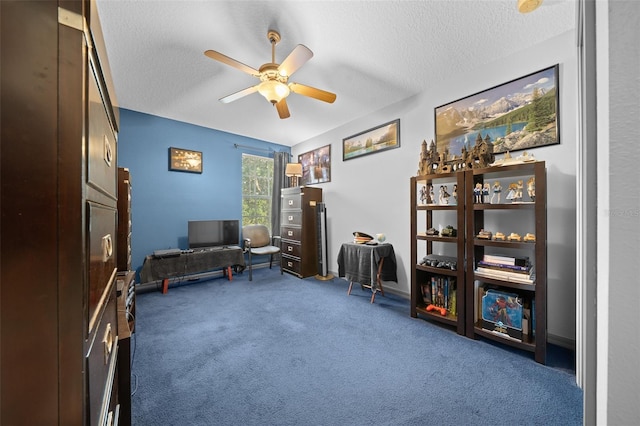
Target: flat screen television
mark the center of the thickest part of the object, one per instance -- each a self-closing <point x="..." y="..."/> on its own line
<point x="213" y="233"/>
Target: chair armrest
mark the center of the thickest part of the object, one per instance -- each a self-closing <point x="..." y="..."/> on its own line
<point x="276" y="240"/>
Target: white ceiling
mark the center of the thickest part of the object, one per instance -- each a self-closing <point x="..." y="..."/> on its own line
<point x="370" y="53"/>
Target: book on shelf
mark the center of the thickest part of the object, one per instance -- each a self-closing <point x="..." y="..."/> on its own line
<point x="441" y="292"/>
<point x="505" y="260"/>
<point x="503" y="267"/>
<point x="514" y="277"/>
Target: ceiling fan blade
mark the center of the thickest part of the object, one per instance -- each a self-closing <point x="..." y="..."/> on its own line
<point x="312" y="92"/>
<point x="234" y="96"/>
<point x="297" y="58"/>
<point x="283" y="109"/>
<point x="232" y="62"/>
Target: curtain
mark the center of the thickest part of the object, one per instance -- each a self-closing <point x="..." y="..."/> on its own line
<point x="280" y="160"/>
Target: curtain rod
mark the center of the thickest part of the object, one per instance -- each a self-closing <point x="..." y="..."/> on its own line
<point x="254" y="148"/>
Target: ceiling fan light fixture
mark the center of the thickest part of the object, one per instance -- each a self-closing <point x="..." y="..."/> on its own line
<point x="526" y="6"/>
<point x="274" y="91"/>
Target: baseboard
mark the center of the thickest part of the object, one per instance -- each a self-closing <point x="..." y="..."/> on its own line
<point x="563" y="342"/>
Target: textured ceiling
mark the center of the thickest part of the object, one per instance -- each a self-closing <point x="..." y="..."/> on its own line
<point x="370" y="53"/>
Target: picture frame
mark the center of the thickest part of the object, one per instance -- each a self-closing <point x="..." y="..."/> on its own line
<point x="316" y="166"/>
<point x="185" y="160"/>
<point x="377" y="139"/>
<point x="518" y="115"/>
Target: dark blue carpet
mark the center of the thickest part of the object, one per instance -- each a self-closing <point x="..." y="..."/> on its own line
<point x="284" y="351"/>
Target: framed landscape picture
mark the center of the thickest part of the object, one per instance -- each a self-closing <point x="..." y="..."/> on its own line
<point x="316" y="166"/>
<point x="518" y="115"/>
<point x="184" y="160"/>
<point x="377" y="139"/>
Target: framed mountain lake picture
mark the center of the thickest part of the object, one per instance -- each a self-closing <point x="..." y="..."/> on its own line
<point x="518" y="115"/>
<point x="381" y="138"/>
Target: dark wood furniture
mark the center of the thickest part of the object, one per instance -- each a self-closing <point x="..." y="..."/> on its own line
<point x="427" y="215"/>
<point x="467" y="249"/>
<point x="187" y="264"/>
<point x="124" y="219"/>
<point x="126" y="302"/>
<point x="521" y="218"/>
<point x="368" y="265"/>
<point x="298" y="230"/>
<point x="58" y="170"/>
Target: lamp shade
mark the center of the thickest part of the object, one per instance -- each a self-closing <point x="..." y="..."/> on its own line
<point x="293" y="169"/>
<point x="273" y="90"/>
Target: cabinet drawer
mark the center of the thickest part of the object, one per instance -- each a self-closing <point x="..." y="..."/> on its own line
<point x="291" y="264"/>
<point x="291" y="233"/>
<point x="101" y="222"/>
<point x="101" y="362"/>
<point x="291" y="201"/>
<point x="291" y="249"/>
<point x="291" y="218"/>
<point x="102" y="167"/>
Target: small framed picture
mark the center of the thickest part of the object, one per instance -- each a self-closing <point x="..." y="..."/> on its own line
<point x="377" y="139"/>
<point x="185" y="160"/>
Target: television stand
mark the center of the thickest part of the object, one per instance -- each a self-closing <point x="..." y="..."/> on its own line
<point x="189" y="264"/>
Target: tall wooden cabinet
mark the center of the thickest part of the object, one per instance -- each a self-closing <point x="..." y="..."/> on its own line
<point x="298" y="230"/>
<point x="58" y="317"/>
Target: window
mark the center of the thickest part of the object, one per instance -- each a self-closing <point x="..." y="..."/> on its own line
<point x="257" y="188"/>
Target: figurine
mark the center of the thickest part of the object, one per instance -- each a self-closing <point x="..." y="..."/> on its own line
<point x="423" y="194"/>
<point x="519" y="188"/>
<point x="444" y="195"/>
<point x="485" y="192"/>
<point x="531" y="188"/>
<point x="511" y="195"/>
<point x="515" y="191"/>
<point x="477" y="193"/>
<point x="455" y="193"/>
<point x="497" y="190"/>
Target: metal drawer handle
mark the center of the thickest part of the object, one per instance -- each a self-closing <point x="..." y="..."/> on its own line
<point x="290" y="264"/>
<point x="107" y="340"/>
<point x="107" y="247"/>
<point x="290" y="233"/>
<point x="290" y="202"/>
<point x="289" y="248"/>
<point x="290" y="218"/>
<point x="108" y="152"/>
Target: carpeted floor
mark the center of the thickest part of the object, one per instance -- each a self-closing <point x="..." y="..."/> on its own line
<point x="284" y="351"/>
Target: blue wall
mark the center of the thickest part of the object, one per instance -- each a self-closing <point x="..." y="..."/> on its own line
<point x="163" y="201"/>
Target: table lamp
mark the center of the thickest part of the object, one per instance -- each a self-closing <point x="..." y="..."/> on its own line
<point x="293" y="171"/>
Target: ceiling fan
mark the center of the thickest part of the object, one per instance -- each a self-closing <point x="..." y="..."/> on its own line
<point x="274" y="78"/>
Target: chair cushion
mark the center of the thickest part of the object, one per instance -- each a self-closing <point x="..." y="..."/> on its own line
<point x="265" y="250"/>
<point x="258" y="234"/>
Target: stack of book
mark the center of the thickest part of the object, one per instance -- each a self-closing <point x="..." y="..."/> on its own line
<point x="506" y="268"/>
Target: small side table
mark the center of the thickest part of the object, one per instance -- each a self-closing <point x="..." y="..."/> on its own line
<point x="368" y="265"/>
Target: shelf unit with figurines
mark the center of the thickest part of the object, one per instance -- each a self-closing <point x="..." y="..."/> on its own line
<point x="506" y="281"/>
<point x="437" y="248"/>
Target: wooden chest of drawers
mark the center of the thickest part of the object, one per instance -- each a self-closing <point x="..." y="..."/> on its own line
<point x="298" y="230"/>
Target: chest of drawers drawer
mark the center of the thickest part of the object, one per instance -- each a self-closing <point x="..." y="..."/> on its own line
<point x="291" y="217"/>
